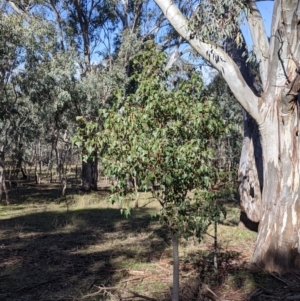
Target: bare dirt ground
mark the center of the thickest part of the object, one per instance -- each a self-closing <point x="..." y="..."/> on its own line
<point x="81" y="248"/>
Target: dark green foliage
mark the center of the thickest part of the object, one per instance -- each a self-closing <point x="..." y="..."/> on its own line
<point x="229" y="146"/>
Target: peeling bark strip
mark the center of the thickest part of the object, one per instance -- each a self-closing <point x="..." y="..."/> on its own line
<point x="270" y="191"/>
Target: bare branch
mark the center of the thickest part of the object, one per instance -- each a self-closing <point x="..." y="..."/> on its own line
<point x="59" y="22"/>
<point x="15" y="8"/>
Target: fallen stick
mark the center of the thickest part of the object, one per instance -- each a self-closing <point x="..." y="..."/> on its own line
<point x="103" y="289"/>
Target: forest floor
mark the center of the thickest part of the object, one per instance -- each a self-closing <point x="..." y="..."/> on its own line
<point x="81" y="248"/>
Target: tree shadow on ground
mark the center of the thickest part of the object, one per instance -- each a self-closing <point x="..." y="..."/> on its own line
<point x="50" y="255"/>
<point x="45" y="192"/>
<point x="73" y="255"/>
<point x="35" y="194"/>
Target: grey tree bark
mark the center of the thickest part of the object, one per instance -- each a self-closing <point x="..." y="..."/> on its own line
<point x="90" y="174"/>
<point x="2" y="178"/>
<point x="175" y="245"/>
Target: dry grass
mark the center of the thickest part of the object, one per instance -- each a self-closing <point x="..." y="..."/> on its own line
<point x="81" y="248"/>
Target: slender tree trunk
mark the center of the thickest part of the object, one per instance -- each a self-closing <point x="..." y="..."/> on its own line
<point x="175" y="295"/>
<point x="1" y="181"/>
<point x="37" y="176"/>
<point x="87" y="175"/>
<point x="40" y="158"/>
<point x="19" y="156"/>
<point x="216" y="245"/>
<point x="24" y="174"/>
<point x="2" y="178"/>
<point x="51" y="164"/>
<point x="63" y="186"/>
<point x="136" y="204"/>
<point x="57" y="157"/>
<point x="95" y="172"/>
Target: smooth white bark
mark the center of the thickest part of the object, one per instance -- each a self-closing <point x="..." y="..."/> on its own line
<point x="260" y="41"/>
<point x="284" y="47"/>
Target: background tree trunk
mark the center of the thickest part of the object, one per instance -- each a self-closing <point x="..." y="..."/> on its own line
<point x="2" y="178"/>
<point x="90" y="174"/>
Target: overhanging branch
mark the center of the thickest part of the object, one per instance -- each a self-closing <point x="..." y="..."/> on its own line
<point x="216" y="57"/>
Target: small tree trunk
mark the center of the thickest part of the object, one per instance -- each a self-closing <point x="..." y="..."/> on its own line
<point x="95" y="172"/>
<point x="175" y="295"/>
<point x="37" y="177"/>
<point x="2" y="178"/>
<point x="28" y="173"/>
<point x="9" y="173"/>
<point x="87" y="178"/>
<point x="64" y="186"/>
<point x="5" y="190"/>
<point x="136" y="205"/>
<point x="23" y="173"/>
<point x="216" y="245"/>
<point x="51" y="164"/>
<point x="40" y="166"/>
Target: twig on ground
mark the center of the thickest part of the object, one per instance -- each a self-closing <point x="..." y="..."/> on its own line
<point x="281" y="279"/>
<point x="264" y="289"/>
<point x="136" y="278"/>
<point x="141" y="296"/>
<point x="163" y="268"/>
<point x="101" y="290"/>
<point x="206" y="288"/>
<point x="255" y="293"/>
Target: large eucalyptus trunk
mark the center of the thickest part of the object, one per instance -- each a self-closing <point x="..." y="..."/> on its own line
<point x="269" y="187"/>
<point x="278" y="243"/>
